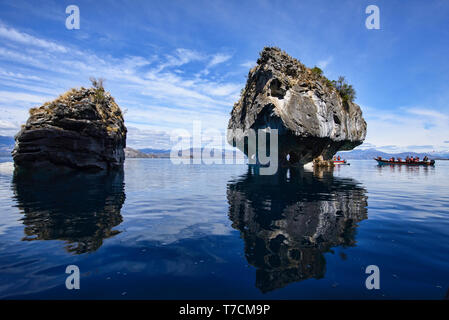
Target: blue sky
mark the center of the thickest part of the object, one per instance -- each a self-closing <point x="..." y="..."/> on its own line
<point x="169" y="63"/>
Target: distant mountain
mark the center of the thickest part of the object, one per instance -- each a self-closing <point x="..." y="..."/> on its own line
<point x="373" y="153"/>
<point x="7" y="144"/>
<point x="225" y="153"/>
<point x="188" y="153"/>
<point x="133" y="153"/>
<point x="367" y="154"/>
<point x="154" y="151"/>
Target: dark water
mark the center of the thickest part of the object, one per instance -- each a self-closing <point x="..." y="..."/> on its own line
<point x="164" y="231"/>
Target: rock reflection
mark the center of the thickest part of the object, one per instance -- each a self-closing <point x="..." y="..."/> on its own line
<point x="79" y="208"/>
<point x="289" y="220"/>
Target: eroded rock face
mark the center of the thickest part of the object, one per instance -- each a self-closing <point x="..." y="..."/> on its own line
<point x="311" y="118"/>
<point x="81" y="129"/>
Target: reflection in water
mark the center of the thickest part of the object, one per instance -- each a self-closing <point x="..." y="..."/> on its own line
<point x="415" y="170"/>
<point x="289" y="220"/>
<point x="80" y="208"/>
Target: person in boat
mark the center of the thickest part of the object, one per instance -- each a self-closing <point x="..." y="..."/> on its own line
<point x="338" y="158"/>
<point x="407" y="159"/>
<point x="399" y="160"/>
<point x="426" y="158"/>
<point x="335" y="158"/>
<point x="417" y="159"/>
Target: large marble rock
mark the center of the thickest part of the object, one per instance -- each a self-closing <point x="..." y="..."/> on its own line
<point x="81" y="129"/>
<point x="310" y="115"/>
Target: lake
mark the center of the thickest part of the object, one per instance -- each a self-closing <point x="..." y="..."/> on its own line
<point x="164" y="231"/>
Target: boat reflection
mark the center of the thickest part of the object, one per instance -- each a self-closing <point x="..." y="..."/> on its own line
<point x="78" y="208"/>
<point x="414" y="170"/>
<point x="289" y="220"/>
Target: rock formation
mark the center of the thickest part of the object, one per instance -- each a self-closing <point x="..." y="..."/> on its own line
<point x="289" y="220"/>
<point x="133" y="153"/>
<point x="81" y="129"/>
<point x="320" y="162"/>
<point x="311" y="116"/>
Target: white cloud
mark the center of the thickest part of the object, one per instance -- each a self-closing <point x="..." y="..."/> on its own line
<point x="10" y="96"/>
<point x="158" y="94"/>
<point x="219" y="58"/>
<point x="227" y="89"/>
<point x="248" y="64"/>
<point x="6" y="125"/>
<point x="322" y="64"/>
<point x="19" y="76"/>
<point x="144" y="138"/>
<point x="26" y="39"/>
<point x="366" y="145"/>
<point x="423" y="127"/>
<point x="180" y="57"/>
<point x="428" y="113"/>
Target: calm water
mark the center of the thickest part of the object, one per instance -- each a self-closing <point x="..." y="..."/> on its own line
<point x="162" y="231"/>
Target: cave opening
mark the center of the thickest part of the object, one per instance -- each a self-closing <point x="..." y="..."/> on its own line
<point x="337" y="119"/>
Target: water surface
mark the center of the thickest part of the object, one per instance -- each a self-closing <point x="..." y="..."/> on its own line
<point x="164" y="231"/>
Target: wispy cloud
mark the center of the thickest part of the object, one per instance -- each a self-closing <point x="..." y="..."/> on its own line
<point x="156" y="91"/>
<point x="366" y="145"/>
<point x="180" y="57"/>
<point x="144" y="138"/>
<point x="11" y="97"/>
<point x="248" y="64"/>
<point x="20" y="76"/>
<point x="428" y="113"/>
<point x="218" y="58"/>
<point x="6" y="125"/>
<point x="324" y="63"/>
<point x="409" y="124"/>
<point x="417" y="147"/>
<point x="26" y="39"/>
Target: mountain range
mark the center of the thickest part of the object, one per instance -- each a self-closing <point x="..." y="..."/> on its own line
<point x="7" y="144"/>
<point x="366" y="154"/>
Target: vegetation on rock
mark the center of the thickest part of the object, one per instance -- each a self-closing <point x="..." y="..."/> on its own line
<point x="346" y="91"/>
<point x="82" y="128"/>
<point x="317" y="71"/>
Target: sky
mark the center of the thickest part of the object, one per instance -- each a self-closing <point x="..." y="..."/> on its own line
<point x="170" y="63"/>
